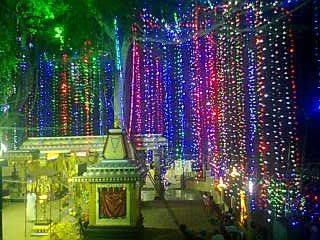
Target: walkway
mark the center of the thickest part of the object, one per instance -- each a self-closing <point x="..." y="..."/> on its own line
<point x="186" y="205"/>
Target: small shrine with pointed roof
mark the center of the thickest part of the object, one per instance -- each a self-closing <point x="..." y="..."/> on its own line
<point x="114" y="186"/>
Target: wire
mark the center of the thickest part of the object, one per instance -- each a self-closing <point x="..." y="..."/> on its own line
<point x="219" y="25"/>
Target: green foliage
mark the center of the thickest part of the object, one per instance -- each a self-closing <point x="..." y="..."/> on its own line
<point x="63" y="25"/>
<point x="34" y="15"/>
<point x="7" y="51"/>
<point x="63" y="231"/>
<point x="59" y="33"/>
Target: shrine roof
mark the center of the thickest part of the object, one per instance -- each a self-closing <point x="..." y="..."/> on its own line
<point x="118" y="163"/>
<point x="112" y="170"/>
<point x="64" y="144"/>
<point x="113" y="164"/>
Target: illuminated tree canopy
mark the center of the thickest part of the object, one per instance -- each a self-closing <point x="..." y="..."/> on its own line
<point x="54" y="25"/>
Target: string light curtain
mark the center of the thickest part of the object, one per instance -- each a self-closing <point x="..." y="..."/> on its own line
<point x="228" y="96"/>
<point x="316" y="37"/>
<point x="73" y="95"/>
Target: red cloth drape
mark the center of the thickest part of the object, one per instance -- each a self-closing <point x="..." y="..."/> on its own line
<point x="112" y="202"/>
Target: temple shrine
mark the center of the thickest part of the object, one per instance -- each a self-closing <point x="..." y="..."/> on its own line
<point x="114" y="186"/>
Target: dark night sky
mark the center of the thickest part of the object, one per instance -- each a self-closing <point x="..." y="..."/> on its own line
<point x="306" y="84"/>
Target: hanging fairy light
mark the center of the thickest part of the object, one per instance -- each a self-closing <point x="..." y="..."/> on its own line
<point x="94" y="95"/>
<point x="63" y="93"/>
<point x="133" y="84"/>
<point x="109" y="94"/>
<point x="196" y="104"/>
<point x="222" y="117"/>
<point x="135" y="111"/>
<point x="168" y="97"/>
<point x="147" y="54"/>
<point x="180" y="83"/>
<point x="238" y="80"/>
<point x="316" y="33"/>
<point x="252" y="97"/>
<point x="55" y="99"/>
<point x="75" y="81"/>
<point x="224" y="98"/>
<point x="211" y="103"/>
<point x="159" y="97"/>
<point x="119" y="70"/>
<point x="98" y="110"/>
<point x="46" y="69"/>
<point x="65" y="102"/>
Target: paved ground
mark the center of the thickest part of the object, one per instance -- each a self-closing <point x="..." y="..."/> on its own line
<point x="190" y="213"/>
<point x="14" y="222"/>
<point x="185" y="206"/>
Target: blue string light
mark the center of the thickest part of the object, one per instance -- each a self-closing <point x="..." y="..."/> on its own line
<point x="109" y="98"/>
<point x="316" y="30"/>
<point x="46" y="68"/>
<point x="168" y="98"/>
<point x="120" y="72"/>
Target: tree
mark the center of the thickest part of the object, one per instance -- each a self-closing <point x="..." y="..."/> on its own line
<point x="60" y="25"/>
